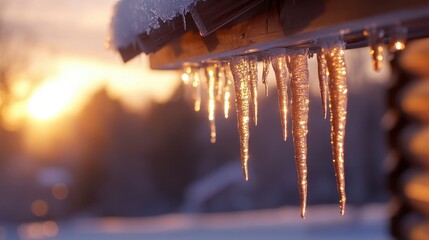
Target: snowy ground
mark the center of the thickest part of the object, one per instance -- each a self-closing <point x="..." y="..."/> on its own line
<point x="323" y="222"/>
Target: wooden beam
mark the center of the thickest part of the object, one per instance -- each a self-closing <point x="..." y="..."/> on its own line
<point x="298" y="23"/>
<point x="242" y="37"/>
<point x="211" y="15"/>
<point x="159" y="37"/>
<point x="205" y="17"/>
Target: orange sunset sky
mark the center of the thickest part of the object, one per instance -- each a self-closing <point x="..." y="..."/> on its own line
<point x="67" y="59"/>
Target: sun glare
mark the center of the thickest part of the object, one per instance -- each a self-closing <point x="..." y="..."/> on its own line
<point x="76" y="80"/>
<point x="49" y="101"/>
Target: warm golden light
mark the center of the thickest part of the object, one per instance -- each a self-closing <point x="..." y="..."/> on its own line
<point x="399" y="45"/>
<point x="212" y="105"/>
<point x="49" y="101"/>
<point x="75" y="80"/>
<point x="226" y="103"/>
<point x="185" y="78"/>
<point x="186" y="75"/>
<point x="197" y="91"/>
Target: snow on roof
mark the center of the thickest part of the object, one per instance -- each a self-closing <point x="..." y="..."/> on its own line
<point x="133" y="17"/>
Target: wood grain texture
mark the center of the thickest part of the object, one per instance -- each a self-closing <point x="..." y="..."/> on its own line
<point x="297" y="23"/>
<point x="158" y="38"/>
<point x="210" y="16"/>
<point x="243" y="37"/>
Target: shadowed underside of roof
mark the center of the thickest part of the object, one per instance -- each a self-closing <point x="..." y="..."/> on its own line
<point x="221" y="28"/>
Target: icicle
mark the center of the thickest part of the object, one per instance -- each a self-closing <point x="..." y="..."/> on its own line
<point x="227" y="91"/>
<point x="376" y="48"/>
<point x="300" y="101"/>
<point x="220" y="85"/>
<point x="196" y="84"/>
<point x="278" y="60"/>
<point x="334" y="53"/>
<point x="226" y="102"/>
<point x="240" y="70"/>
<point x="212" y="73"/>
<point x="204" y="82"/>
<point x="323" y="81"/>
<point x="265" y="70"/>
<point x="253" y="73"/>
<point x="184" y="20"/>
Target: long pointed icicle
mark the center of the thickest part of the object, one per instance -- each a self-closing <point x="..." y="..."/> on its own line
<point x="334" y="53"/>
<point x="278" y="61"/>
<point x="323" y="81"/>
<point x="240" y="70"/>
<point x="300" y="101"/>
<point x="265" y="70"/>
<point x="227" y="90"/>
<point x="212" y="73"/>
<point x="253" y="73"/>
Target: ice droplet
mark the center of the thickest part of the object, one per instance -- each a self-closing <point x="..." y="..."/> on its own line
<point x="399" y="39"/>
<point x="334" y="53"/>
<point x="265" y="70"/>
<point x="212" y="131"/>
<point x="212" y="73"/>
<point x="323" y="81"/>
<point x="278" y="60"/>
<point x="253" y="73"/>
<point x="240" y="72"/>
<point x="300" y="101"/>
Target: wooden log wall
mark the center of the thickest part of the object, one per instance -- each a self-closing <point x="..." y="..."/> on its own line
<point x="408" y="138"/>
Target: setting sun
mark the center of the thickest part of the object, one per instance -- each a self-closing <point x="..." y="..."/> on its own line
<point x="49" y="101"/>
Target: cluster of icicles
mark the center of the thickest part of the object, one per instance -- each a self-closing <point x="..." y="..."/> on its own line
<point x="291" y="71"/>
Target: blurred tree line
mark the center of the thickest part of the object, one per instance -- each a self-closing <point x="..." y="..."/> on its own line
<point x="141" y="164"/>
<point x="157" y="162"/>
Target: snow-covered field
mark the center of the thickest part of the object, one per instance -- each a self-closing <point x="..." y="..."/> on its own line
<point x="323" y="222"/>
